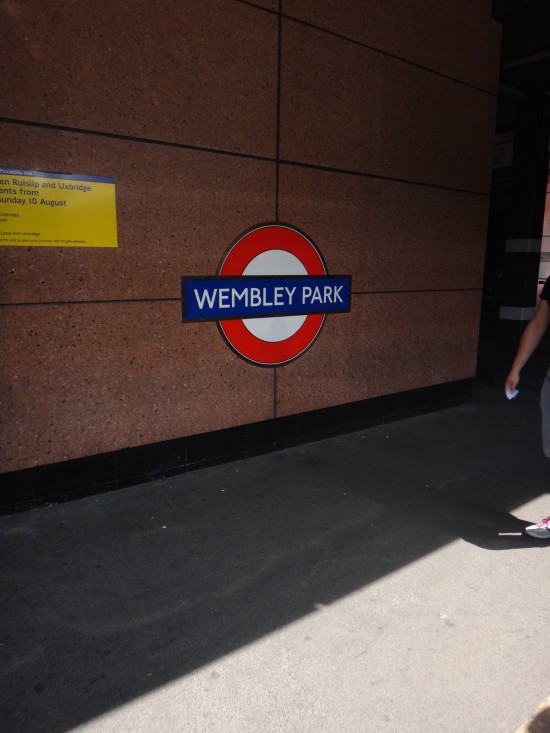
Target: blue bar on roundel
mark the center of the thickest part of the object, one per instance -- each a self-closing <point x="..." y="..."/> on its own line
<point x="223" y="298"/>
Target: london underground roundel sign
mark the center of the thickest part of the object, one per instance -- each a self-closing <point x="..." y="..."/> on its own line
<point x="270" y="296"/>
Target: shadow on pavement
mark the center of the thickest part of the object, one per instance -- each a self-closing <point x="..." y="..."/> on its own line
<point x="106" y="598"/>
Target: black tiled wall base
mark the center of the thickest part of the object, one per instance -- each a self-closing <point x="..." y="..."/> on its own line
<point x="81" y="477"/>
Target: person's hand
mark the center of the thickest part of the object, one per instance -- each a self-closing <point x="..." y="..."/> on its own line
<point x="512" y="381"/>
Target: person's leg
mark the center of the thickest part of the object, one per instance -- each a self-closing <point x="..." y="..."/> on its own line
<point x="545" y="410"/>
<point x="542" y="530"/>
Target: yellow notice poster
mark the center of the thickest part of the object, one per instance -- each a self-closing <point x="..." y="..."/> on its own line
<point x="42" y="209"/>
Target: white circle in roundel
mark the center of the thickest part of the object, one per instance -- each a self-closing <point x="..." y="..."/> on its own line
<point x="274" y="262"/>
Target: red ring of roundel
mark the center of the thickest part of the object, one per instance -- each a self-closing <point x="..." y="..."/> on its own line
<point x="248" y="246"/>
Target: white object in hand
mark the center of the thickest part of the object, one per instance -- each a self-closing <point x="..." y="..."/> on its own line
<point x="511" y="393"/>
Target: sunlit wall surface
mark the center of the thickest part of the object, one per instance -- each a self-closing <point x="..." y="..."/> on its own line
<point x="367" y="125"/>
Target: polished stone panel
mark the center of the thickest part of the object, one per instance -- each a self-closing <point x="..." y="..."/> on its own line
<point x="187" y="72"/>
<point x="177" y="212"/>
<point x="388" y="235"/>
<point x="422" y="32"/>
<point x="82" y="380"/>
<point x="378" y="115"/>
<point x="387" y="343"/>
<point x="268" y="4"/>
<point x="385" y="130"/>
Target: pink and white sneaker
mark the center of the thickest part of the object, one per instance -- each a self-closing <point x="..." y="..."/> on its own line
<point x="541" y="530"/>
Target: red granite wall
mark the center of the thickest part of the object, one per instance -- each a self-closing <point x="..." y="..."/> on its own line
<point x="368" y="125"/>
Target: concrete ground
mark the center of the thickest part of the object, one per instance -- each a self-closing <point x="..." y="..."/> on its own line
<point x="377" y="581"/>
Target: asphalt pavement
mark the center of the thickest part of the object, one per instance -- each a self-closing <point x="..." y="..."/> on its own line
<point x="376" y="581"/>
